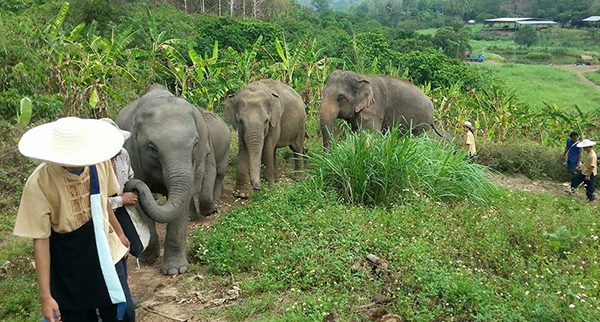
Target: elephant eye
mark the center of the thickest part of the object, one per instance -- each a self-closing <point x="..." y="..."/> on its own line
<point x="341" y="98"/>
<point x="152" y="148"/>
<point x="196" y="142"/>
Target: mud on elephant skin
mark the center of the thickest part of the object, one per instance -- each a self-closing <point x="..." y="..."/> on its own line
<point x="181" y="152"/>
<point x="373" y="102"/>
<point x="267" y="115"/>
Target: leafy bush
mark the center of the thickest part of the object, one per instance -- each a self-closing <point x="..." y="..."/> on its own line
<point x="529" y="158"/>
<point x="383" y="169"/>
<point x="539" y="56"/>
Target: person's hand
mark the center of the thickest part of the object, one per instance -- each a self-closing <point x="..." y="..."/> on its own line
<point x="50" y="310"/>
<point x="125" y="241"/>
<point x="129" y="198"/>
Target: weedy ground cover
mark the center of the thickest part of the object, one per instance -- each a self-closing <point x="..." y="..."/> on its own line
<point x="594" y="77"/>
<point x="519" y="257"/>
<point x="546" y="84"/>
<point x="18" y="291"/>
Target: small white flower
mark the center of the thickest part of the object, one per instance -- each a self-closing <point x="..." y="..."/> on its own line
<point x="572" y="306"/>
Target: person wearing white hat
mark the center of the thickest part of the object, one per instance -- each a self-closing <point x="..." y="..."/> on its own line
<point x="589" y="169"/>
<point x="79" y="245"/>
<point x="470" y="140"/>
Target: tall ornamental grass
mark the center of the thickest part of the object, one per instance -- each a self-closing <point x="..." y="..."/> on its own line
<point x="383" y="169"/>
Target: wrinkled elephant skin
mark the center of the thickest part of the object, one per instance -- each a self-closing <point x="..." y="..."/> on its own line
<point x="373" y="102"/>
<point x="267" y="115"/>
<point x="181" y="152"/>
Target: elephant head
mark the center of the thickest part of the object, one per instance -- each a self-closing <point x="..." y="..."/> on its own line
<point x="254" y="111"/>
<point x="345" y="95"/>
<point x="169" y="146"/>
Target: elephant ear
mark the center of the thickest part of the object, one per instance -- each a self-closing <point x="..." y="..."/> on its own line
<point x="364" y="95"/>
<point x="230" y="111"/>
<point x="276" y="110"/>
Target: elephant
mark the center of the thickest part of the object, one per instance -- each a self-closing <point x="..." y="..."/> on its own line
<point x="267" y="115"/>
<point x="181" y="152"/>
<point x="373" y="102"/>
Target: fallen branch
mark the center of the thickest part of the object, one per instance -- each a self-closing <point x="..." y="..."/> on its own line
<point x="157" y="312"/>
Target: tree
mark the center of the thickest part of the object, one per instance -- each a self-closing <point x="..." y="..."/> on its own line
<point x="526" y="36"/>
<point x="321" y="6"/>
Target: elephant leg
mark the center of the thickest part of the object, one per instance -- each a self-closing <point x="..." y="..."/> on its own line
<point x="268" y="157"/>
<point x="206" y="201"/>
<point x="218" y="190"/>
<point x="193" y="213"/>
<point x="243" y="174"/>
<point x="297" y="147"/>
<point x="175" y="261"/>
<point x="152" y="251"/>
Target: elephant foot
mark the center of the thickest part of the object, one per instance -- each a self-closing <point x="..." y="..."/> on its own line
<point x="211" y="211"/>
<point x="240" y="195"/>
<point x="149" y="256"/>
<point x="174" y="266"/>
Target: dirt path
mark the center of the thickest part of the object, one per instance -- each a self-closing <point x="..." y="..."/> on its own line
<point x="522" y="183"/>
<point x="581" y="71"/>
<point x="183" y="297"/>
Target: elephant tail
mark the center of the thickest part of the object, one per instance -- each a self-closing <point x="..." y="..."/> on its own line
<point x="436" y="131"/>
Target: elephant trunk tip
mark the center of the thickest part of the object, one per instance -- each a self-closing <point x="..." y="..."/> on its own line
<point x="256" y="185"/>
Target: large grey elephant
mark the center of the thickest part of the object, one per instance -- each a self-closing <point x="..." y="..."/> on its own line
<point x="267" y="115"/>
<point x="373" y="102"/>
<point x="181" y="152"/>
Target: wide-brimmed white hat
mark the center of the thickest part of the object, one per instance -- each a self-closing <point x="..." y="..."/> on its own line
<point x="126" y="134"/>
<point x="585" y="143"/>
<point x="72" y="141"/>
<point x="468" y="124"/>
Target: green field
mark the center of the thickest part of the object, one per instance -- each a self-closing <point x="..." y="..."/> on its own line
<point x="594" y="77"/>
<point x="536" y="85"/>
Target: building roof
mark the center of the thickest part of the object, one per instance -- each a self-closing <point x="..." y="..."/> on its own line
<point x="537" y="22"/>
<point x="507" y="19"/>
<point x="592" y="19"/>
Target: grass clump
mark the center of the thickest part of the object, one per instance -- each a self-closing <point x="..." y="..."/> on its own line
<point x="383" y="169"/>
<point x="529" y="158"/>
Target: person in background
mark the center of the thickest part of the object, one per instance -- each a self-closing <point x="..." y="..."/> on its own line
<point x="572" y="155"/>
<point x="122" y="167"/>
<point x="470" y="140"/>
<point x="589" y="169"/>
<point x="79" y="246"/>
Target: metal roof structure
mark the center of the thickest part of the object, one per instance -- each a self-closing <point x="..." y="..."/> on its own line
<point x="537" y="22"/>
<point x="506" y="20"/>
<point x="592" y="19"/>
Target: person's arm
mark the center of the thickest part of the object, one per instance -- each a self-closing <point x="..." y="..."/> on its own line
<point x="115" y="202"/>
<point x="50" y="310"/>
<point x="116" y="226"/>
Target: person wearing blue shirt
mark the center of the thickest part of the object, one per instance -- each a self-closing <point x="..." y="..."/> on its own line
<point x="572" y="155"/>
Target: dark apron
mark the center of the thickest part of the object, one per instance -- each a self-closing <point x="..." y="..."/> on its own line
<point x="135" y="244"/>
<point x="76" y="280"/>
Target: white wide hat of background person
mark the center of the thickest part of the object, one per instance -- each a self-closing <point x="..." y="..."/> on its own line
<point x="126" y="134"/>
<point x="468" y="124"/>
<point x="586" y="143"/>
<point x="72" y="141"/>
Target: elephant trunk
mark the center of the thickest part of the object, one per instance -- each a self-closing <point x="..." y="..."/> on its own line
<point x="327" y="113"/>
<point x="179" y="184"/>
<point x="254" y="144"/>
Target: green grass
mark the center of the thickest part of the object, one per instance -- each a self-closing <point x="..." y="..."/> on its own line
<point x="594" y="77"/>
<point x="519" y="258"/>
<point x="18" y="289"/>
<point x="537" y="85"/>
<point x="381" y="169"/>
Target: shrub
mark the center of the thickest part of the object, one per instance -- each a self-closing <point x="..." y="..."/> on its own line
<point x="538" y="56"/>
<point x="374" y="168"/>
<point x="529" y="158"/>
